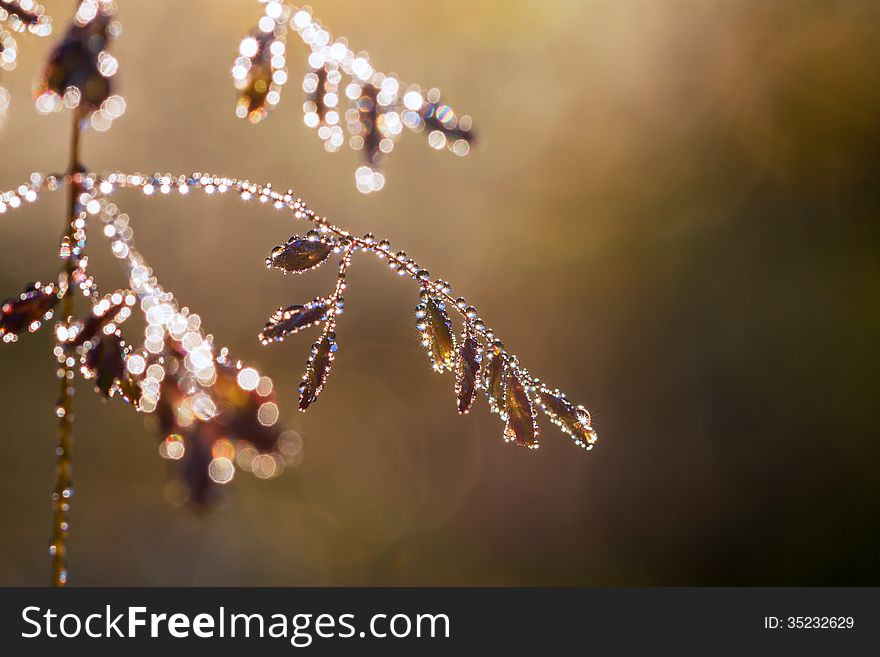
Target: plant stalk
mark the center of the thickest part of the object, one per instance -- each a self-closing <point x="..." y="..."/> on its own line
<point x="63" y="490"/>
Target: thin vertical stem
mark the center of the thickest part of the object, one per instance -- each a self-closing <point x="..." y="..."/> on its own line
<point x="63" y="489"/>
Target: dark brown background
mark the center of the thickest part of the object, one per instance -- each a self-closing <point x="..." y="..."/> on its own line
<point x="672" y="217"/>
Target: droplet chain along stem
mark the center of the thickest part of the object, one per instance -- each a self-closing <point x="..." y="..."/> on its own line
<point x="107" y="183"/>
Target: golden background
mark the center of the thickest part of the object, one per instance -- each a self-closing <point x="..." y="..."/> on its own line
<point x="672" y="216"/>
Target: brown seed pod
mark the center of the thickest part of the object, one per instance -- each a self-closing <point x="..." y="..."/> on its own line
<point x="246" y="412"/>
<point x="317" y="369"/>
<point x="25" y="16"/>
<point x="467" y="370"/>
<point x="27" y="312"/>
<point x="105" y="362"/>
<point x="438" y="116"/>
<point x="293" y="319"/>
<point x="368" y="112"/>
<point x="495" y="381"/>
<point x="259" y="78"/>
<point x="129" y="390"/>
<point x="521" y="426"/>
<point x="573" y="420"/>
<point x="113" y="308"/>
<point x="195" y="464"/>
<point x="317" y="96"/>
<point x="75" y="62"/>
<point x="436" y="329"/>
<point x="300" y="254"/>
<point x="259" y="70"/>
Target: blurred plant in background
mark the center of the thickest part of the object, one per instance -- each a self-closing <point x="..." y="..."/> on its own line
<point x="18" y="16"/>
<point x="210" y="406"/>
<point x="341" y="85"/>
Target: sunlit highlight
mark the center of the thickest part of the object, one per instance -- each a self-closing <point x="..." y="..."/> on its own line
<point x="347" y="99"/>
